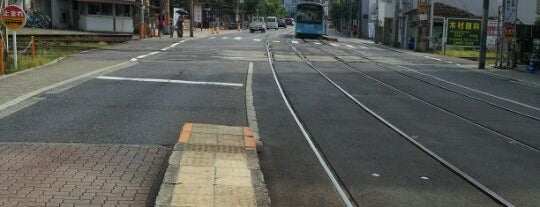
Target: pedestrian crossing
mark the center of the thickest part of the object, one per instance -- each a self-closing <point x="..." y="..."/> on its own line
<point x="299" y="42"/>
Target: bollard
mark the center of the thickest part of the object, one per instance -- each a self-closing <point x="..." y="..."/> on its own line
<point x="33" y="50"/>
<point x="141" y="30"/>
<point x="2" y="58"/>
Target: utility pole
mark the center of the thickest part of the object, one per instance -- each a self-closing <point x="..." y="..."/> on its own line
<point x="359" y="18"/>
<point x="395" y="30"/>
<point x="142" y="28"/>
<point x="483" y="36"/>
<point x="350" y="18"/>
<point x="191" y="18"/>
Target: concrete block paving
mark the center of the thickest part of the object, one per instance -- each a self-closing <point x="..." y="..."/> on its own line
<point x="39" y="174"/>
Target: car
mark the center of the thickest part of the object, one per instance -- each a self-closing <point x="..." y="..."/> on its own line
<point x="272" y="23"/>
<point x="289" y="21"/>
<point x="281" y="23"/>
<point x="257" y="24"/>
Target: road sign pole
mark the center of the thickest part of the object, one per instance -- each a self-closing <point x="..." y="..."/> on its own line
<point x="483" y="36"/>
<point x="15" y="49"/>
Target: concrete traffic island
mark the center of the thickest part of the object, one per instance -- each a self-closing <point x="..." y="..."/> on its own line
<point x="213" y="165"/>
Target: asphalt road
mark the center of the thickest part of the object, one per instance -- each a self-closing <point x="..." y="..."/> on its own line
<point x="485" y="126"/>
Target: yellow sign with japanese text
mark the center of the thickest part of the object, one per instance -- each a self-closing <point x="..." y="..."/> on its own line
<point x="463" y="32"/>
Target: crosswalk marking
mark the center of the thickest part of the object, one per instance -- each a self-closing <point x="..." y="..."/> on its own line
<point x="276" y="41"/>
<point x="294" y="42"/>
<point x="257" y="40"/>
<point x="238" y="38"/>
<point x="224" y="38"/>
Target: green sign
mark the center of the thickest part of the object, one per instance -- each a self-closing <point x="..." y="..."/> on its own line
<point x="463" y="32"/>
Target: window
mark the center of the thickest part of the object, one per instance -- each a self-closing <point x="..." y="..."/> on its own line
<point x="94" y="9"/>
<point x="123" y="10"/>
<point x="309" y="14"/>
<point x="106" y="9"/>
<point x="100" y="9"/>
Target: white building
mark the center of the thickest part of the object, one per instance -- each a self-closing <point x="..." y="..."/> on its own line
<point x="87" y="15"/>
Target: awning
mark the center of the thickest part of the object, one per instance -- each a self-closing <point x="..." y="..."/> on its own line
<point x="123" y="2"/>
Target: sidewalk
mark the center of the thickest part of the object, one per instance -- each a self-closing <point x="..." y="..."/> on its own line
<point x="528" y="78"/>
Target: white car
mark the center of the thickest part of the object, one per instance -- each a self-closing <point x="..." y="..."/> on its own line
<point x="272" y="23"/>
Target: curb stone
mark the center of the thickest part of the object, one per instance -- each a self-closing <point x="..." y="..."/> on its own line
<point x="202" y="147"/>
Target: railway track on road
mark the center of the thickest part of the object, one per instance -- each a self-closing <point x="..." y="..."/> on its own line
<point x="346" y="196"/>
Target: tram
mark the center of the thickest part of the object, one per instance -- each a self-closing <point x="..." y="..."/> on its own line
<point x="309" y="19"/>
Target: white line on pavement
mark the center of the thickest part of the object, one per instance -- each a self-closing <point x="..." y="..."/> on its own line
<point x="257" y="40"/>
<point x="437" y="59"/>
<point x="238" y="38"/>
<point x="224" y="38"/>
<point x="294" y="42"/>
<point x="141" y="56"/>
<point x="169" y="81"/>
<point x="363" y="47"/>
<point x="350" y="46"/>
<point x="317" y="43"/>
<point x="276" y="41"/>
<point x="334" y="44"/>
<point x="152" y="53"/>
<point x="133" y="59"/>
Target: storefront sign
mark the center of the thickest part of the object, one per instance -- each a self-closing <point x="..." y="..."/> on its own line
<point x="197" y="13"/>
<point x="463" y="32"/>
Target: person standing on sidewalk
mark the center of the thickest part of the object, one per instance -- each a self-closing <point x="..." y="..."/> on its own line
<point x="180" y="26"/>
<point x="162" y="23"/>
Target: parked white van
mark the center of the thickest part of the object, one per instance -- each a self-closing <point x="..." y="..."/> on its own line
<point x="272" y="23"/>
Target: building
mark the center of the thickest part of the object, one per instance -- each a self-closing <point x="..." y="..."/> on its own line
<point x="86" y="15"/>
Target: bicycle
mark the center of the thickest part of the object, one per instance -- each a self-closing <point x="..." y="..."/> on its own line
<point x="38" y="20"/>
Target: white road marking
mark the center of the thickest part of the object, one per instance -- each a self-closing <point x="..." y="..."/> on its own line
<point x="238" y="38"/>
<point x="133" y="59"/>
<point x="471" y="89"/>
<point x="257" y="40"/>
<point x="276" y="41"/>
<point x="224" y="38"/>
<point x="152" y="53"/>
<point x="364" y="47"/>
<point x="450" y="62"/>
<point x="169" y="81"/>
<point x="350" y="46"/>
<point x="212" y="37"/>
<point x="294" y="42"/>
<point x="437" y="59"/>
<point x="317" y="43"/>
<point x="165" y="49"/>
<point x="141" y="56"/>
<point x="334" y="44"/>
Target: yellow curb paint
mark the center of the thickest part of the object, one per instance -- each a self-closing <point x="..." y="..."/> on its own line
<point x="249" y="141"/>
<point x="186" y="131"/>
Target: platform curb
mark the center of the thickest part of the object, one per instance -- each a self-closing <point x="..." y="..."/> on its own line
<point x="171" y="176"/>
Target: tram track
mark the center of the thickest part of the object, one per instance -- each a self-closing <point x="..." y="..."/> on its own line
<point x="484" y="189"/>
<point x="499" y="133"/>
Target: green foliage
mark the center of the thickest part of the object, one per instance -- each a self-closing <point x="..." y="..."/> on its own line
<point x="264" y="8"/>
<point x="341" y="10"/>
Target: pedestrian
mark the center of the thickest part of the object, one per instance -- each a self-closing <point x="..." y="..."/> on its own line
<point x="161" y="23"/>
<point x="180" y="26"/>
<point x="171" y="29"/>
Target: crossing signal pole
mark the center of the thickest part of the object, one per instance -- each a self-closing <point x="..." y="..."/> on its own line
<point x="483" y="36"/>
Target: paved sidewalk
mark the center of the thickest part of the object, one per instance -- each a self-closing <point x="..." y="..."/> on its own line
<point x="38" y="174"/>
<point x="213" y="165"/>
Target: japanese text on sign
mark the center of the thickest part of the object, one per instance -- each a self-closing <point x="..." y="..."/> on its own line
<point x="463" y="32"/>
<point x="13" y="17"/>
